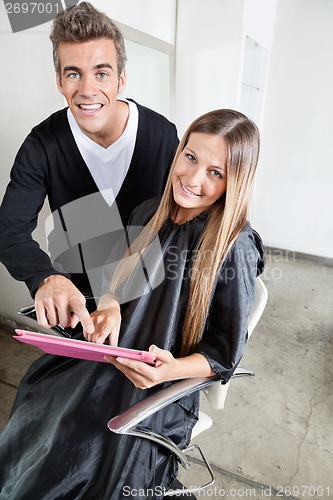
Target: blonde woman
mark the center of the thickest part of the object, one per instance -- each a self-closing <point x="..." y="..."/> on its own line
<point x="195" y="321"/>
<point x="206" y="201"/>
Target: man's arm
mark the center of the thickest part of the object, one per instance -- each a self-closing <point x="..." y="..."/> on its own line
<point x="22" y="202"/>
<point x="22" y="256"/>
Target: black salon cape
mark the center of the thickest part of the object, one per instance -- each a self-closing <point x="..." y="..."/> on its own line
<point x="56" y="444"/>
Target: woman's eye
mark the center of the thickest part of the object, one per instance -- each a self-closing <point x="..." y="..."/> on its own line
<point x="216" y="173"/>
<point x="191" y="157"/>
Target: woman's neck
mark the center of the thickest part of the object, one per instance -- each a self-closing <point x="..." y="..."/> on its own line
<point x="182" y="215"/>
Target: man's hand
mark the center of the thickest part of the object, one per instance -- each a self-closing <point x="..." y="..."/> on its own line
<point x="59" y="302"/>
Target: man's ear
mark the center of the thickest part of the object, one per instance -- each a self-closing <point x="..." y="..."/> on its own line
<point x="121" y="81"/>
<point x="59" y="83"/>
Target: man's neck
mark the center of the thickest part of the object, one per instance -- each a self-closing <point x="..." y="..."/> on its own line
<point x="117" y="128"/>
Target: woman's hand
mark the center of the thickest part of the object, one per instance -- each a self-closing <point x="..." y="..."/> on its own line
<point x="143" y="375"/>
<point x="107" y="320"/>
<point x="167" y="368"/>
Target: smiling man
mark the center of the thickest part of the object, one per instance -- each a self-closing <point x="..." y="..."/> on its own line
<point x="89" y="80"/>
<point x="98" y="157"/>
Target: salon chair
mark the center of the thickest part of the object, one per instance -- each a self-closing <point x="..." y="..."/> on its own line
<point x="129" y="421"/>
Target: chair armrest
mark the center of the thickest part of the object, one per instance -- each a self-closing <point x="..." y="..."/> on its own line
<point x="123" y="423"/>
<point x="126" y="422"/>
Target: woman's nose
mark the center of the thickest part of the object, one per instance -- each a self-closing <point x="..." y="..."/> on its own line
<point x="195" y="178"/>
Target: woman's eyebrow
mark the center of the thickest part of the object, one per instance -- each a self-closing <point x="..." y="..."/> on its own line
<point x="190" y="151"/>
<point x="218" y="167"/>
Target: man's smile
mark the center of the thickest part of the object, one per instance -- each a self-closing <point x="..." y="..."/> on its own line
<point x="90" y="107"/>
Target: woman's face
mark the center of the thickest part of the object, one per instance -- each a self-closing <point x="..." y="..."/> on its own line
<point x="199" y="176"/>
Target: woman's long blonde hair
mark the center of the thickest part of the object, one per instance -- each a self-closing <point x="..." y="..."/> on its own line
<point x="226" y="217"/>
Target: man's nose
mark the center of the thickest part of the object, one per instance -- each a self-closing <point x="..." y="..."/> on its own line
<point x="88" y="86"/>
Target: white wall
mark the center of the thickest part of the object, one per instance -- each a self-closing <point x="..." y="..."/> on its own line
<point x="210" y="43"/>
<point x="208" y="57"/>
<point x="156" y="18"/>
<point x="259" y="20"/>
<point x="292" y="204"/>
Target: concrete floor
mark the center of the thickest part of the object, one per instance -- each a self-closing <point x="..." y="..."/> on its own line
<point x="274" y="438"/>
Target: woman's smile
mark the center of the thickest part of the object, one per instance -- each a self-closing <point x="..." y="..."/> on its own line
<point x="186" y="190"/>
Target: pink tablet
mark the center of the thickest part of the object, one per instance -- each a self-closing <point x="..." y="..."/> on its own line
<point x="73" y="348"/>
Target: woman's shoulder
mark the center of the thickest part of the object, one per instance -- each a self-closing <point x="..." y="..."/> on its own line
<point x="248" y="237"/>
<point x="144" y="212"/>
<point x="248" y="247"/>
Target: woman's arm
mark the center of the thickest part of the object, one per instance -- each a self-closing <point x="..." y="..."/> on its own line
<point x="107" y="321"/>
<point x="225" y="337"/>
<point x="167" y="368"/>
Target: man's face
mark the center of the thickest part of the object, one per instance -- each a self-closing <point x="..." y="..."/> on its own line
<point x="89" y="82"/>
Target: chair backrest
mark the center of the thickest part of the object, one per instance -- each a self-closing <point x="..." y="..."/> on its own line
<point x="259" y="305"/>
<point x="216" y="393"/>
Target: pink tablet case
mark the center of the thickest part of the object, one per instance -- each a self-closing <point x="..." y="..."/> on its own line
<point x="80" y="349"/>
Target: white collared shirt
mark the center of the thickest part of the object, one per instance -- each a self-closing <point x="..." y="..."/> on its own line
<point x="108" y="166"/>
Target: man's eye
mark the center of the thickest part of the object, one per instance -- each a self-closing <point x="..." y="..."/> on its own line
<point x="102" y="76"/>
<point x="73" y="76"/>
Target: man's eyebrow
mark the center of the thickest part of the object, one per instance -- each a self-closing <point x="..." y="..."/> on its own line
<point x="103" y="65"/>
<point x="78" y="70"/>
<point x="71" y="68"/>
